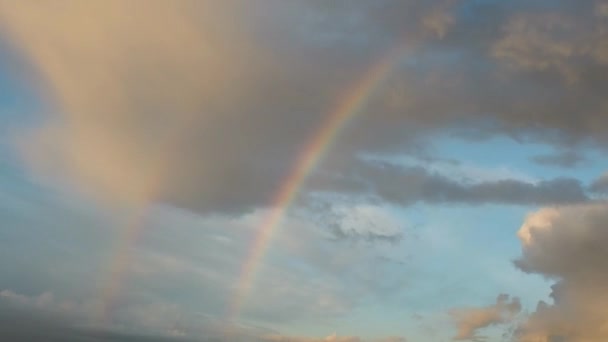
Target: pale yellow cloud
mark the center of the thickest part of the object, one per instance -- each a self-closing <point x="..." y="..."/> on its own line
<point x="469" y="321"/>
<point x="568" y="244"/>
<point x="133" y="85"/>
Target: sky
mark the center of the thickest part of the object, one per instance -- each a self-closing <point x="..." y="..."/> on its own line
<point x="304" y="171"/>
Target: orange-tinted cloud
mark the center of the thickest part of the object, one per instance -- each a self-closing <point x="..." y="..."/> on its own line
<point x="469" y="321"/>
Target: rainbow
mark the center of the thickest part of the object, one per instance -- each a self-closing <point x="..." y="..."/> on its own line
<point x="116" y="275"/>
<point x="346" y="108"/>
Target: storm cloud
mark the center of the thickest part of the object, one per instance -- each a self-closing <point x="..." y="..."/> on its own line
<point x="207" y="105"/>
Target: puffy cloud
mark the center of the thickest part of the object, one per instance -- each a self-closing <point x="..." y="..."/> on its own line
<point x="360" y="221"/>
<point x="567" y="244"/>
<point x="469" y="320"/>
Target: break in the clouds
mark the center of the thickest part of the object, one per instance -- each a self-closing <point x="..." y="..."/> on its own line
<point x="196" y="112"/>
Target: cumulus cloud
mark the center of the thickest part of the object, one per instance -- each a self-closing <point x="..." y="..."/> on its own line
<point x="567" y="244"/>
<point x="470" y="320"/>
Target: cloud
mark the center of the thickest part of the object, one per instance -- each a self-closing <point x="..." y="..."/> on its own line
<point x="43" y="300"/>
<point x="44" y="318"/>
<point x="564" y="159"/>
<point x="187" y="262"/>
<point x="359" y="221"/>
<point x="207" y="105"/>
<point x="157" y="100"/>
<point x="600" y="185"/>
<point x="469" y="320"/>
<point x="563" y="42"/>
<point x="330" y="338"/>
<point x="566" y="243"/>
<point x="404" y="185"/>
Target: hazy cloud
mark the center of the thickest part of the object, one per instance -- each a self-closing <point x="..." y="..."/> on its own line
<point x="330" y="338"/>
<point x="470" y="320"/>
<point x="408" y="185"/>
<point x="600" y="185"/>
<point x="206" y="105"/>
<point x="564" y="159"/>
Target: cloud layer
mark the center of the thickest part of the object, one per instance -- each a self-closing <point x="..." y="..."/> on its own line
<point x="207" y="105"/>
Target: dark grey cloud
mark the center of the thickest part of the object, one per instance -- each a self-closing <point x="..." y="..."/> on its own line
<point x="210" y="111"/>
<point x="40" y="325"/>
<point x="564" y="159"/>
<point x="469" y="321"/>
<point x="407" y="185"/>
<point x="600" y="185"/>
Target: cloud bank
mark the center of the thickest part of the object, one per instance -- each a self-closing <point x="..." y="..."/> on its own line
<point x="207" y="105"/>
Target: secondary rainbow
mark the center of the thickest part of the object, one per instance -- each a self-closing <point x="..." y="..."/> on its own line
<point x="346" y="108"/>
<point x="116" y="274"/>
